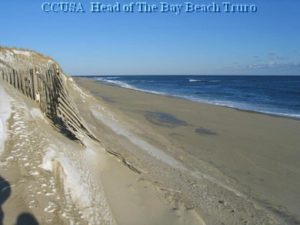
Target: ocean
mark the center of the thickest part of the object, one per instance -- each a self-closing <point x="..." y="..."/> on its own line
<point x="275" y="95"/>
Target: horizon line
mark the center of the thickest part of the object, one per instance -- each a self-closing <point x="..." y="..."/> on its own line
<point x="262" y="75"/>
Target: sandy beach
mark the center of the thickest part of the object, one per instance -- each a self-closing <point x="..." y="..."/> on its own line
<point x="150" y="113"/>
<point x="154" y="160"/>
<point x="47" y="178"/>
<point x="252" y="153"/>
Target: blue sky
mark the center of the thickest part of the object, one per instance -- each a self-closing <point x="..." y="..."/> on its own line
<point x="264" y="43"/>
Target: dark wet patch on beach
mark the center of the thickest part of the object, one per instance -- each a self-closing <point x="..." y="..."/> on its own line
<point x="104" y="98"/>
<point x="281" y="212"/>
<point x="107" y="99"/>
<point x="176" y="135"/>
<point x="204" y="131"/>
<point x="164" y="119"/>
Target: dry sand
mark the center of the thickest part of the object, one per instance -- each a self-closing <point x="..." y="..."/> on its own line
<point x="160" y="161"/>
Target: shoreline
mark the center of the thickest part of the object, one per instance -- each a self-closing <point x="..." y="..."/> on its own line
<point x="243" y="146"/>
<point x="203" y="101"/>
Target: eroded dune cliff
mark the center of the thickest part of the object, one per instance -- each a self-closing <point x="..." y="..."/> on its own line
<point x="41" y="79"/>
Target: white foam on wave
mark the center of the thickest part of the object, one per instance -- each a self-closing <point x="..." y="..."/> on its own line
<point x="112" y="77"/>
<point x="115" y="82"/>
<point x="252" y="108"/>
<point x="5" y="112"/>
<point x="240" y="106"/>
<point x="126" y="85"/>
<point x="205" y="81"/>
<point x="229" y="104"/>
<point x="194" y="80"/>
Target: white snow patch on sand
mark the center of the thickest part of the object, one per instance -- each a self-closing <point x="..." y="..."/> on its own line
<point x="47" y="163"/>
<point x="36" y="113"/>
<point x="7" y="56"/>
<point x="71" y="176"/>
<point x="73" y="183"/>
<point x="109" y="120"/>
<point x="75" y="86"/>
<point x="22" y="52"/>
<point x="77" y="183"/>
<point x="5" y="112"/>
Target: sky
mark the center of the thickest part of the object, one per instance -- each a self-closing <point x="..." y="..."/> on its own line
<point x="265" y="42"/>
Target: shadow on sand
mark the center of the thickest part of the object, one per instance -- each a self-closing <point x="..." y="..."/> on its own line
<point x="5" y="192"/>
<point x="26" y="219"/>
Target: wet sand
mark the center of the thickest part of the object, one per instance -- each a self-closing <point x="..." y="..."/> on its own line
<point x="256" y="154"/>
<point x="159" y="160"/>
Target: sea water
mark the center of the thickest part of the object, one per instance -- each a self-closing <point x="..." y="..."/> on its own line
<point x="276" y="95"/>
